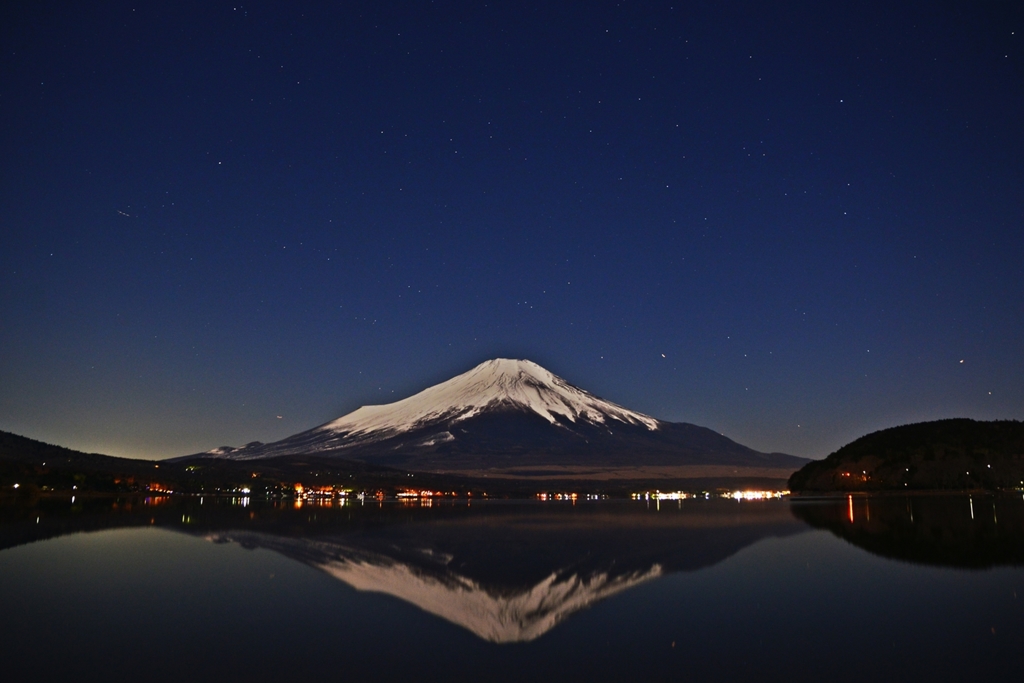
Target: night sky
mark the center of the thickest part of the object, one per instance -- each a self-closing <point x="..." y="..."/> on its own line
<point x="794" y="223"/>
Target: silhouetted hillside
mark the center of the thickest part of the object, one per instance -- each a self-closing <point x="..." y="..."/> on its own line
<point x="956" y="455"/>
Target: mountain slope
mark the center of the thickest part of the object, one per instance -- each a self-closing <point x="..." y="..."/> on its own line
<point x="506" y="413"/>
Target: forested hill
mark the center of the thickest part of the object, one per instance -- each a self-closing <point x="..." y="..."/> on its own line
<point x="957" y="454"/>
<point x="15" y="448"/>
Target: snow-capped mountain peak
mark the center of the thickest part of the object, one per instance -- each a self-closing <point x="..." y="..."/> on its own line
<point x="494" y="384"/>
<point x="507" y="413"/>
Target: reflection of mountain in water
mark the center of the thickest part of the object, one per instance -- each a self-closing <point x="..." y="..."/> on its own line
<point x="501" y="616"/>
<point x="511" y="573"/>
<point x="506" y="572"/>
<point x="952" y="531"/>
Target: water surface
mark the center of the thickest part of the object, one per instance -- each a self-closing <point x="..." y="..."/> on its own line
<point x="887" y="589"/>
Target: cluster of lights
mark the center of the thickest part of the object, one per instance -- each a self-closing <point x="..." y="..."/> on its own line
<point x="317" y="492"/>
<point x="325" y="495"/>
<point x="558" y="496"/>
<point x="412" y="493"/>
<point x="756" y="495"/>
<point x="663" y="495"/>
<point x="321" y="496"/>
<point x="571" y="496"/>
<point x="683" y="495"/>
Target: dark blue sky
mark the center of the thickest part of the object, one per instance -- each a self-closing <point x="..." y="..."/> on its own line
<point x="794" y="223"/>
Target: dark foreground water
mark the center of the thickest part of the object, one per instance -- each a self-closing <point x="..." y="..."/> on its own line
<point x="887" y="589"/>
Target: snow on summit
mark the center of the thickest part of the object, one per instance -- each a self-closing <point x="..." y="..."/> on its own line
<point x="494" y="384"/>
<point x="507" y="411"/>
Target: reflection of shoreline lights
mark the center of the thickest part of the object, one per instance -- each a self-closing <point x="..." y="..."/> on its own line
<point x="320" y="496"/>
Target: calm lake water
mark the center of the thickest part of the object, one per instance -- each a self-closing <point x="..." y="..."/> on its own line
<point x="900" y="589"/>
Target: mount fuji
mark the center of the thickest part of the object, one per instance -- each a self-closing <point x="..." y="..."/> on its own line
<point x="509" y="413"/>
